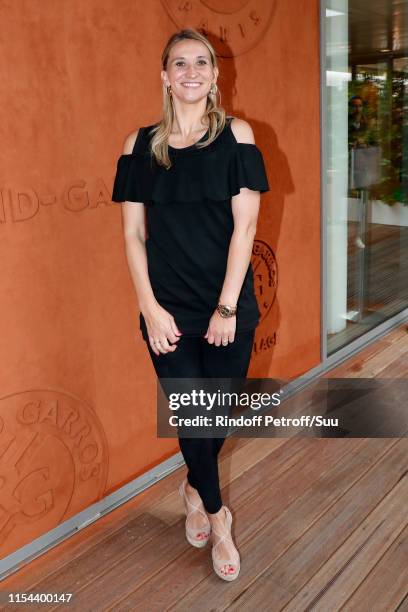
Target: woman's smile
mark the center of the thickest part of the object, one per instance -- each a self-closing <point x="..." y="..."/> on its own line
<point x="191" y="84"/>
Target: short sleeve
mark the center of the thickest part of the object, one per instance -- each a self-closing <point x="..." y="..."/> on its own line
<point x="133" y="179"/>
<point x="214" y="173"/>
<point x="247" y="169"/>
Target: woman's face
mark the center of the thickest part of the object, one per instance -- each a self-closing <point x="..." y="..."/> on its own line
<point x="189" y="71"/>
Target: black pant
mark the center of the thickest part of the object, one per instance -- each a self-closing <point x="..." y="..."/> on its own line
<point x="196" y="358"/>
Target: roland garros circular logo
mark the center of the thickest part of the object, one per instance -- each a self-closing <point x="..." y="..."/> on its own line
<point x="265" y="276"/>
<point x="238" y="25"/>
<point x="53" y="461"/>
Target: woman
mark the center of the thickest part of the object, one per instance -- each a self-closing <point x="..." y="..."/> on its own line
<point x="199" y="174"/>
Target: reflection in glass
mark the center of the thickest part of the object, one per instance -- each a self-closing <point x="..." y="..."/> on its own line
<point x="367" y="148"/>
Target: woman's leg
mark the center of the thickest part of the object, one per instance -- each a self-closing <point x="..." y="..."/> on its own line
<point x="199" y="454"/>
<point x="195" y="358"/>
<point x="231" y="361"/>
<point x="184" y="362"/>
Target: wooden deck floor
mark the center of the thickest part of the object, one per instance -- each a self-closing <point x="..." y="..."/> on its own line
<point x="321" y="524"/>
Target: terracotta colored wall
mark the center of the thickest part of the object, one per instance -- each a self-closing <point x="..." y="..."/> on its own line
<point x="77" y="411"/>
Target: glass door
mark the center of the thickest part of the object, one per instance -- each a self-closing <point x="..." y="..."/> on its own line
<point x="365" y="115"/>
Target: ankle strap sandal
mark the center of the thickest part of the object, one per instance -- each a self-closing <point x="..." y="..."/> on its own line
<point x="234" y="559"/>
<point x="193" y="532"/>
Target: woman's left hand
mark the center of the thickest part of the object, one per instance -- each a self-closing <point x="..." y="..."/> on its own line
<point x="221" y="330"/>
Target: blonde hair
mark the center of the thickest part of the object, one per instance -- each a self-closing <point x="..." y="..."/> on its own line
<point x="214" y="112"/>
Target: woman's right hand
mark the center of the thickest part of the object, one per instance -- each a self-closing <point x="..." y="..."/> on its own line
<point x="161" y="329"/>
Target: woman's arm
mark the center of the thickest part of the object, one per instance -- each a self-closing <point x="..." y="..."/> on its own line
<point x="159" y="322"/>
<point x="245" y="209"/>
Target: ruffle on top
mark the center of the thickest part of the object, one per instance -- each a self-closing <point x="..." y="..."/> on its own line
<point x="212" y="173"/>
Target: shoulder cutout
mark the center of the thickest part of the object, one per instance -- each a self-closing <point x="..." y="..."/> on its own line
<point x="196" y="177"/>
<point x="242" y="131"/>
<point x="129" y="143"/>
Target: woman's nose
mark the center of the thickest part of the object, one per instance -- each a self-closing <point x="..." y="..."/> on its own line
<point x="191" y="72"/>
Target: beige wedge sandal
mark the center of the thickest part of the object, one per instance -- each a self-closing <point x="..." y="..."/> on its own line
<point x="234" y="560"/>
<point x="192" y="532"/>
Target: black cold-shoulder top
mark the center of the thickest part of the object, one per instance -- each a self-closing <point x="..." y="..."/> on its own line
<point x="190" y="223"/>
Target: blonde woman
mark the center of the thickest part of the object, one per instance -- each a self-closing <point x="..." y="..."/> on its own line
<point x="199" y="175"/>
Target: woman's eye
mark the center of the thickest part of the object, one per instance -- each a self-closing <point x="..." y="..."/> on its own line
<point x="181" y="63"/>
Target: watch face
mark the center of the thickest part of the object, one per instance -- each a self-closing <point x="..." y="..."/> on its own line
<point x="236" y="25"/>
<point x="224" y="311"/>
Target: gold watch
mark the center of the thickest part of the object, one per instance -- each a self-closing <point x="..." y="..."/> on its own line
<point x="226" y="311"/>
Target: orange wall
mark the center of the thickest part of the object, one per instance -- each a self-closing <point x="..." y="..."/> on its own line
<point x="77" y="411"/>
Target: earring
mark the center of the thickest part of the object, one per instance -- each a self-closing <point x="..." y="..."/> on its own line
<point x="213" y="89"/>
<point x="169" y="92"/>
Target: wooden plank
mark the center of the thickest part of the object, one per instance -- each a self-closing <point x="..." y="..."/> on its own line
<point x="168" y="554"/>
<point x="354" y="367"/>
<point x="254" y="514"/>
<point x="353" y="561"/>
<point x="374" y="366"/>
<point x="386" y="587"/>
<point x="128" y="535"/>
<point x="397" y="369"/>
<point x="357" y="366"/>
<point x="270" y="550"/>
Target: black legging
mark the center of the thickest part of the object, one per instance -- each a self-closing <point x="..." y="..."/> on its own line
<point x="196" y="358"/>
